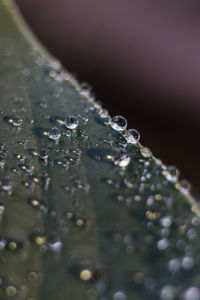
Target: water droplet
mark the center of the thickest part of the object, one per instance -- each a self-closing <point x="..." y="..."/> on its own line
<point x="44" y="154"/>
<point x="174" y="265"/>
<point x="16" y="122"/>
<point x="187" y="263"/>
<point x="55" y="246"/>
<point x="192" y="293"/>
<point x="85" y="274"/>
<point x="54" y="133"/>
<point x="167" y="292"/>
<point x="119" y="296"/>
<point x="118" y="123"/>
<point x="6" y="184"/>
<point x="172" y="173"/>
<point x="163" y="244"/>
<point x="71" y="122"/>
<point x="2" y="209"/>
<point x="185" y="186"/>
<point x="10" y="291"/>
<point x="166" y="221"/>
<point x="123" y="161"/>
<point x="21" y="157"/>
<point x="146" y="152"/>
<point x="2" y="161"/>
<point x="132" y="136"/>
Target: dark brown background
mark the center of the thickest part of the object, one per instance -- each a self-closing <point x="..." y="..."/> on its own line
<point x="143" y="60"/>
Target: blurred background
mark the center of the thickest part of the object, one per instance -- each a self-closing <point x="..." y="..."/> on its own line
<point x="142" y="59"/>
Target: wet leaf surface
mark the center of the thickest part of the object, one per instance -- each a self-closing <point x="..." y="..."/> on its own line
<point x="86" y="212"/>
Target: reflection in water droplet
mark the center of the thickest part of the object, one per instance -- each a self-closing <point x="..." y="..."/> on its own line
<point x="132" y="136"/>
<point x="54" y="133"/>
<point x="118" y="123"/>
<point x="71" y="122"/>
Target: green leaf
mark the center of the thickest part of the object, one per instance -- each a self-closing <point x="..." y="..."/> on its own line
<point x="88" y="215"/>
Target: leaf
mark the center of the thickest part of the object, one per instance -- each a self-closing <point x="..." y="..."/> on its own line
<point x="87" y="215"/>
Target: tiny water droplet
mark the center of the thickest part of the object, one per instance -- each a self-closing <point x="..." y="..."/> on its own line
<point x="167" y="293"/>
<point x="44" y="154"/>
<point x="119" y="296"/>
<point x="132" y="136"/>
<point x="6" y="184"/>
<point x="192" y="293"/>
<point x="16" y="121"/>
<point x="172" y="173"/>
<point x="146" y="152"/>
<point x="118" y="123"/>
<point x="71" y="122"/>
<point x="2" y="209"/>
<point x="2" y="161"/>
<point x="54" y="133"/>
<point x="185" y="185"/>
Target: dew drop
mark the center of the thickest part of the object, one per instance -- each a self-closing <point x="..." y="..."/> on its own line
<point x="163" y="244"/>
<point x="167" y="293"/>
<point x="6" y="184"/>
<point x="118" y="123"/>
<point x="43" y="154"/>
<point x="146" y="152"/>
<point x="172" y="173"/>
<point x="2" y="209"/>
<point x="174" y="265"/>
<point x="55" y="246"/>
<point x="123" y="161"/>
<point x="2" y="161"/>
<point x="132" y="136"/>
<point x="187" y="263"/>
<point x="16" y="122"/>
<point x="119" y="296"/>
<point x="71" y="122"/>
<point x="54" y="133"/>
<point x="85" y="275"/>
<point x="166" y="221"/>
<point x="192" y="293"/>
<point x="185" y="186"/>
<point x="11" y="291"/>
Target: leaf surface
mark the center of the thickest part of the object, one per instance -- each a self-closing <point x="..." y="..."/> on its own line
<point x="74" y="223"/>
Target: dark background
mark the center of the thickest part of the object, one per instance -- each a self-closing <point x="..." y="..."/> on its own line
<point x="143" y="60"/>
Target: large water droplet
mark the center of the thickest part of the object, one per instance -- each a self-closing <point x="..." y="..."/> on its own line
<point x="71" y="122"/>
<point x="132" y="136"/>
<point x="54" y="133"/>
<point x="118" y="123"/>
